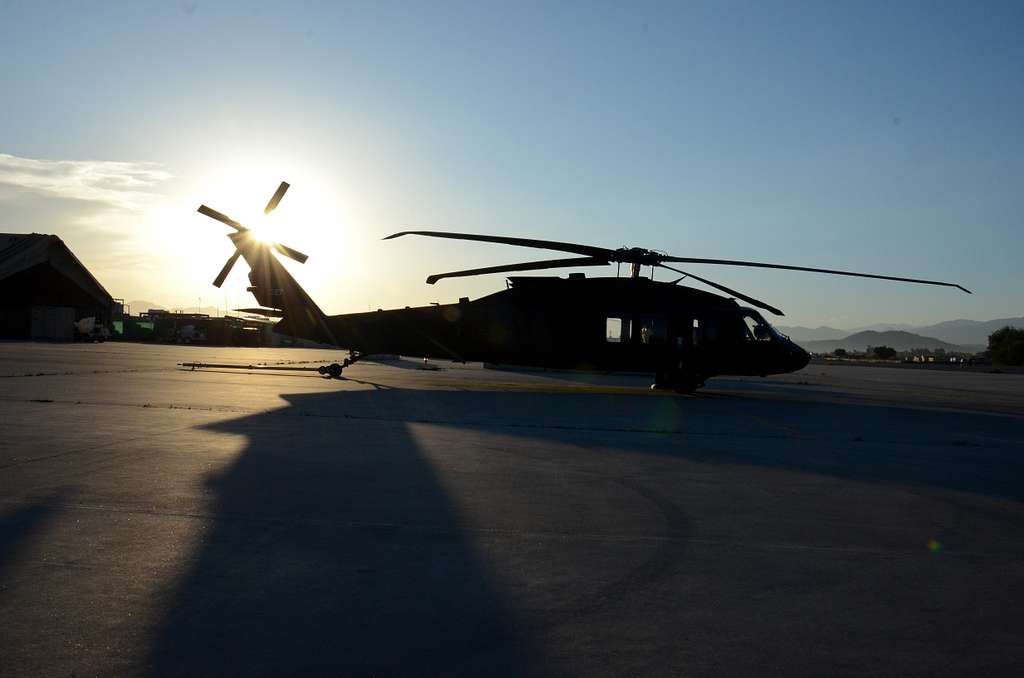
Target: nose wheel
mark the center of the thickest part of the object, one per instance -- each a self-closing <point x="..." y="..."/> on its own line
<point x="334" y="369"/>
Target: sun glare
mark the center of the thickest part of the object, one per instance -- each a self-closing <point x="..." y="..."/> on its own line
<point x="232" y="193"/>
<point x="265" y="228"/>
<point x="309" y="218"/>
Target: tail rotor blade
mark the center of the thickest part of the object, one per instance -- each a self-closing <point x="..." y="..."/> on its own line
<point x="223" y="218"/>
<point x="733" y="293"/>
<point x="272" y="205"/>
<point x="289" y="252"/>
<point x="227" y="269"/>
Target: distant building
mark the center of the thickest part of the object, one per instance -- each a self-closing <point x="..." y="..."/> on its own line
<point x="44" y="289"/>
<point x="158" y="324"/>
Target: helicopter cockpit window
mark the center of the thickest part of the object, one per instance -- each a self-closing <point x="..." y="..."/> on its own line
<point x="757" y="328"/>
<point x="617" y="330"/>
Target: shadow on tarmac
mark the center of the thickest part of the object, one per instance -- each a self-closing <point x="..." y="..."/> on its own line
<point x="336" y="554"/>
<point x="18" y="526"/>
<point x="889" y="444"/>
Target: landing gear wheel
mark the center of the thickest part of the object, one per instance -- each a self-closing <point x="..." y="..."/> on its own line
<point x="686" y="386"/>
<point x="334" y="369"/>
<point x="662" y="382"/>
<point x="322" y="369"/>
<point x="680" y="381"/>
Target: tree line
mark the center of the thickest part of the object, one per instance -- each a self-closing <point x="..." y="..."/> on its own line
<point x="1005" y="347"/>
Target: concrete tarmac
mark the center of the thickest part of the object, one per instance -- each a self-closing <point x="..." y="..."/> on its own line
<point x="467" y="521"/>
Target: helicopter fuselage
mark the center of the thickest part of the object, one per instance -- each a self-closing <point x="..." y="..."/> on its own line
<point x="680" y="334"/>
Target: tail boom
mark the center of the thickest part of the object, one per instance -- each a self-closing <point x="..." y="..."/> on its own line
<point x="274" y="287"/>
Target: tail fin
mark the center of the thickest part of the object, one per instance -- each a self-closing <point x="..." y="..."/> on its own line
<point x="274" y="287"/>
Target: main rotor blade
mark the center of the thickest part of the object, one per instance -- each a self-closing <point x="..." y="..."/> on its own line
<point x="289" y="252"/>
<point x="219" y="280"/>
<point x="214" y="214"/>
<point x="586" y="250"/>
<point x="739" y="295"/>
<point x="755" y="264"/>
<point x="528" y="266"/>
<point x="272" y="205"/>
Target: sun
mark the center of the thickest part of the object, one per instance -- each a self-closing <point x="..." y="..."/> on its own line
<point x="310" y="218"/>
<point x="243" y="194"/>
<point x="267" y="228"/>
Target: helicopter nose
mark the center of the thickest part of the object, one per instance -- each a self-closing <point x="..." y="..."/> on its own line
<point x="795" y="358"/>
<point x="803" y="358"/>
<point x="799" y="358"/>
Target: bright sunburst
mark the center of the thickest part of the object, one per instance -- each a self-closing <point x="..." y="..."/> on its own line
<point x="308" y="218"/>
<point x="243" y="195"/>
<point x="266" y="227"/>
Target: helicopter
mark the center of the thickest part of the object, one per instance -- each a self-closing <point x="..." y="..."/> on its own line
<point x="633" y="323"/>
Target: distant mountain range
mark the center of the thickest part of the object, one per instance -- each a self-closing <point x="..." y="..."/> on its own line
<point x="969" y="334"/>
<point x="901" y="341"/>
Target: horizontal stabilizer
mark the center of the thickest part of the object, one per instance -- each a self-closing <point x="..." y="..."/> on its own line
<point x="269" y="312"/>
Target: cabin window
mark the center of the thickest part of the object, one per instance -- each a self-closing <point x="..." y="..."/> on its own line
<point x="652" y="330"/>
<point x="617" y="330"/>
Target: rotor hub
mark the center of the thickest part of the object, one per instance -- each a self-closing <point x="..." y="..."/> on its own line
<point x="637" y="255"/>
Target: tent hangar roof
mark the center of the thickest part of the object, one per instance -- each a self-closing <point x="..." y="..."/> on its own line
<point x="21" y="251"/>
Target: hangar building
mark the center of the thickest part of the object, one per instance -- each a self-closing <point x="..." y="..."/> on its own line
<point x="44" y="289"/>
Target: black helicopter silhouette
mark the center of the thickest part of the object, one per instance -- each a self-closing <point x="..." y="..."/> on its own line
<point x="636" y="324"/>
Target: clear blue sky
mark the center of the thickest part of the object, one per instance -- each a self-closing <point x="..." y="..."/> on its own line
<point x="885" y="137"/>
